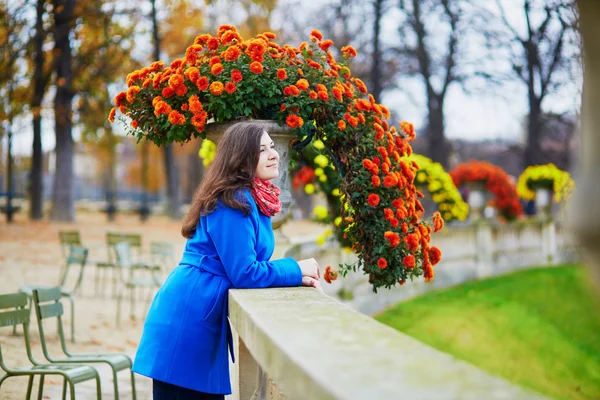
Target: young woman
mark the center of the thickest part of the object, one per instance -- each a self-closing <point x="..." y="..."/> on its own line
<point x="184" y="345"/>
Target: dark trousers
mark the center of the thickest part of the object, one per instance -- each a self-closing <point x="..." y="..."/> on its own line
<point x="166" y="391"/>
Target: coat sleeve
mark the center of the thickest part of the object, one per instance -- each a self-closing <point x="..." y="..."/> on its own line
<point x="234" y="237"/>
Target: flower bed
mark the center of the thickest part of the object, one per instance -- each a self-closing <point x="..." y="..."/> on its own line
<point x="545" y="177"/>
<point x="495" y="180"/>
<point x="226" y="78"/>
<point x="432" y="177"/>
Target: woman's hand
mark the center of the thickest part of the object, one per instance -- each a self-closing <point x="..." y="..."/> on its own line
<point x="311" y="282"/>
<point x="310" y="267"/>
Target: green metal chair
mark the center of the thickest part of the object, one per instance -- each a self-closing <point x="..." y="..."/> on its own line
<point x="18" y="313"/>
<point x="47" y="304"/>
<point x="129" y="281"/>
<point x="135" y="242"/>
<point x="67" y="239"/>
<point x="77" y="255"/>
<point x="163" y="255"/>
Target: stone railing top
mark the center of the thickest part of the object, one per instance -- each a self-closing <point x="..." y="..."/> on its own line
<point x="314" y="347"/>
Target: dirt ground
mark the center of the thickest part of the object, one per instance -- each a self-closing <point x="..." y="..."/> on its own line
<point x="30" y="254"/>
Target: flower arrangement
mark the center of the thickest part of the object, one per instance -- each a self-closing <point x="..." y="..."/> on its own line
<point x="432" y="177"/>
<point x="496" y="181"/>
<point x="226" y="78"/>
<point x="545" y="177"/>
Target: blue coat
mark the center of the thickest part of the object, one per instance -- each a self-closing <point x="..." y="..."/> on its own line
<point x="186" y="332"/>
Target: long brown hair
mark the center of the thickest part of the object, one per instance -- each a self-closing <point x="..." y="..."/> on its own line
<point x="233" y="168"/>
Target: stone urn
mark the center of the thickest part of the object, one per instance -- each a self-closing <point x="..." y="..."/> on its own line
<point x="477" y="200"/>
<point x="543" y="201"/>
<point x="282" y="136"/>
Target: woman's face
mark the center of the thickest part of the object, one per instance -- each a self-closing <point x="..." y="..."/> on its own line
<point x="268" y="161"/>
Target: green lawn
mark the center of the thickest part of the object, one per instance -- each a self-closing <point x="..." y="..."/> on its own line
<point x="538" y="328"/>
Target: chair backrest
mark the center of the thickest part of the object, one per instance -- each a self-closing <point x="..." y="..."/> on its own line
<point x="18" y="316"/>
<point x="163" y="254"/>
<point x="123" y="254"/>
<point x="67" y="239"/>
<point x="77" y="255"/>
<point x="133" y="239"/>
<point x="47" y="304"/>
<point x="14" y="311"/>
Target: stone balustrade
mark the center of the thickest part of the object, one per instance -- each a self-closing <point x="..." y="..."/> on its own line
<point x="296" y="343"/>
<point x="472" y="250"/>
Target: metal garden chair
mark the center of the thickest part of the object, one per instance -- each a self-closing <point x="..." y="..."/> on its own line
<point x="18" y="313"/>
<point x="77" y="255"/>
<point x="129" y="281"/>
<point x="135" y="242"/>
<point x="47" y="304"/>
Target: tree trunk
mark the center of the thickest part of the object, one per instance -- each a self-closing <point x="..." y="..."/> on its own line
<point x="376" y="62"/>
<point x="533" y="152"/>
<point x="62" y="189"/>
<point x="438" y="146"/>
<point x="36" y="189"/>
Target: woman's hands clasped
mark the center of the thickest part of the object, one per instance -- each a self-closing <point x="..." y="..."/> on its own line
<point x="310" y="273"/>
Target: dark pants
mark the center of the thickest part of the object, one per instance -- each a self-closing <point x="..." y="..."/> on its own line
<point x="166" y="391"/>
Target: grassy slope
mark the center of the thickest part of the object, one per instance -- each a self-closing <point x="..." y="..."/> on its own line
<point x="538" y="328"/>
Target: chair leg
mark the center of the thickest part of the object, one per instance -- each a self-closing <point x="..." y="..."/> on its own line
<point x="64" y="394"/>
<point x="41" y="388"/>
<point x="119" y="297"/>
<point x="98" y="388"/>
<point x="115" y="384"/>
<point x="29" y="387"/>
<point x="97" y="281"/>
<point x="115" y="279"/>
<point x="72" y="316"/>
<point x="132" y="303"/>
<point x="133" y="393"/>
<point x="72" y="390"/>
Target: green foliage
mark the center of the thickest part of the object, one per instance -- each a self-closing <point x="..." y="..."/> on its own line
<point x="537" y="328"/>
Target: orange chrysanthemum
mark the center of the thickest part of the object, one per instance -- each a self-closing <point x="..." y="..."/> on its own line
<point x="393" y="238"/>
<point x="302" y="84"/>
<point x="330" y="274"/>
<point x="435" y="255"/>
<point x="202" y="83"/>
<point x="313" y="95"/>
<point x="230" y="87"/>
<point x="281" y="74"/>
<point x="412" y="242"/>
<point x="216" y="88"/>
<point x="294" y="121"/>
<point x="438" y="221"/>
<point x="317" y="34"/>
<point x="176" y="118"/>
<point x="373" y="199"/>
<point x="409" y="261"/>
<point x="341" y="124"/>
<point x="236" y="76"/>
<point x="382" y="263"/>
<point x="375" y="181"/>
<point x="216" y="69"/>
<point x="111" y="116"/>
<point x="348" y="51"/>
<point x="256" y="67"/>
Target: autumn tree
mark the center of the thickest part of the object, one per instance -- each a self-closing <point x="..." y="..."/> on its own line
<point x="13" y="89"/>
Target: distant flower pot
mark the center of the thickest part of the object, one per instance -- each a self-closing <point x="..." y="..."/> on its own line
<point x="543" y="201"/>
<point x="477" y="200"/>
<point x="282" y="136"/>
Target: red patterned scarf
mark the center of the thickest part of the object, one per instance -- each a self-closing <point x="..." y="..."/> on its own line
<point x="266" y="196"/>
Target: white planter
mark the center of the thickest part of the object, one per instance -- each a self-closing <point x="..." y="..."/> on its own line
<point x="477" y="201"/>
<point x="543" y="201"/>
<point x="282" y="137"/>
